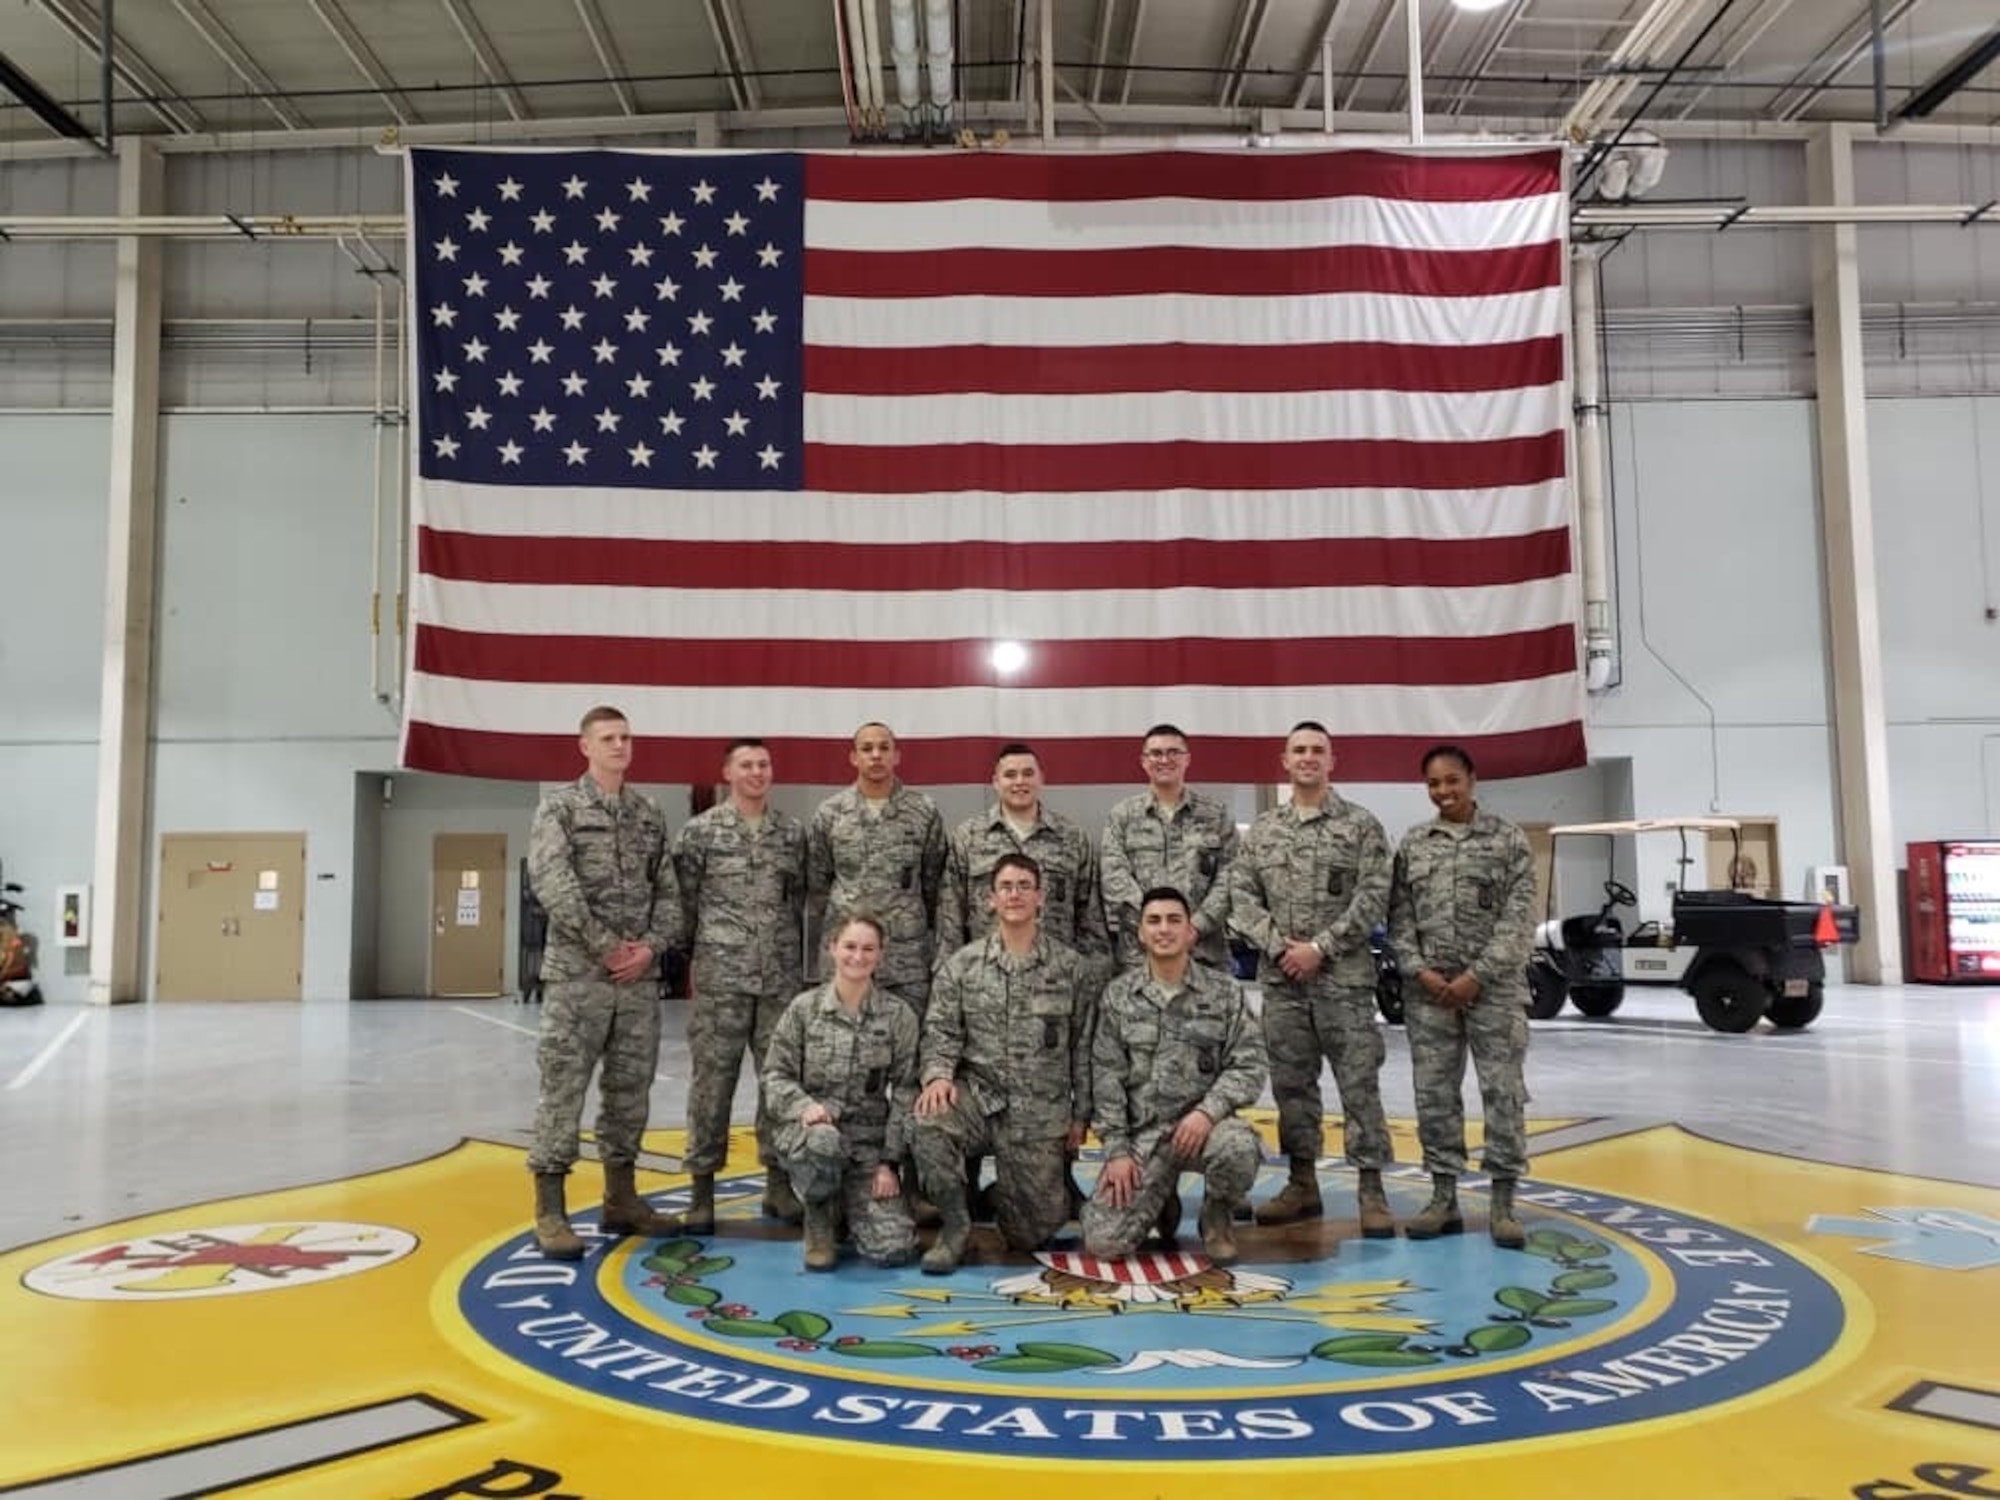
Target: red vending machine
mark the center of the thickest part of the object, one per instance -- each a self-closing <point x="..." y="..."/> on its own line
<point x="1954" y="911"/>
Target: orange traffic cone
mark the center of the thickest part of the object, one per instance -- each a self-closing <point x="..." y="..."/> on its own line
<point x="1826" y="931"/>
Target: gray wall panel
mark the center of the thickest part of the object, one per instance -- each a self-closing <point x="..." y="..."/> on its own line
<point x="52" y="533"/>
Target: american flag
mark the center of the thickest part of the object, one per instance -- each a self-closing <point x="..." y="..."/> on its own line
<point x="990" y="446"/>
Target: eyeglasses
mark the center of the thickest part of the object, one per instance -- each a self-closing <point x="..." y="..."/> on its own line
<point x="1165" y="754"/>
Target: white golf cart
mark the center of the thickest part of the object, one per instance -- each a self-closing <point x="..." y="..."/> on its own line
<point x="1743" y="958"/>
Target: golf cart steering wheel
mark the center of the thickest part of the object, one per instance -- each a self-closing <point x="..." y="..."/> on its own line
<point x="1619" y="894"/>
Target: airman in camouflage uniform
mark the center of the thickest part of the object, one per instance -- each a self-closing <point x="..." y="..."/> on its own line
<point x="1169" y="835"/>
<point x="840" y="1079"/>
<point x="742" y="868"/>
<point x="1462" y="918"/>
<point x="879" y="847"/>
<point x="1177" y="1054"/>
<point x="1006" y="1070"/>
<point x="1313" y="877"/>
<point x="1020" y="823"/>
<point x="598" y="862"/>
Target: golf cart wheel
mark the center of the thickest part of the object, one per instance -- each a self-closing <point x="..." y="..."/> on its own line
<point x="1729" y="997"/>
<point x="1547" y="989"/>
<point x="1790" y="1012"/>
<point x="1597" y="999"/>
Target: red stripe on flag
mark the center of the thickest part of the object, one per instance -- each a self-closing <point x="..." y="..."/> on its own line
<point x="1056" y="468"/>
<point x="1039" y="567"/>
<point x="1121" y="176"/>
<point x="1187" y="269"/>
<point x="888" y="665"/>
<point x="1014" y="370"/>
<point x="969" y="761"/>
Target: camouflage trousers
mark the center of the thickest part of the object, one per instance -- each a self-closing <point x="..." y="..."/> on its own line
<point x="1495" y="1032"/>
<point x="1308" y="1022"/>
<point x="822" y="1167"/>
<point x="1228" y="1167"/>
<point x="1030" y="1167"/>
<point x="721" y="1027"/>
<point x="586" y="1022"/>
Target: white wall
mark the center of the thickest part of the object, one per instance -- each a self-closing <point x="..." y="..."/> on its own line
<point x="266" y="719"/>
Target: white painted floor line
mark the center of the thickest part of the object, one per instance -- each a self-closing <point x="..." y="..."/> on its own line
<point x="1632" y="1030"/>
<point x="42" y="1058"/>
<point x="480" y="1015"/>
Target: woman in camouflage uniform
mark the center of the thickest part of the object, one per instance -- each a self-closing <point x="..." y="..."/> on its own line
<point x="840" y="1079"/>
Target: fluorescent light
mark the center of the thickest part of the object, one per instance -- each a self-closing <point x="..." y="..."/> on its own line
<point x="1479" y="4"/>
<point x="1009" y="657"/>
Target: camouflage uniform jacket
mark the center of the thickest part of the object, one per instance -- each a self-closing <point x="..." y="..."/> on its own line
<point x="744" y="895"/>
<point x="1157" y="1056"/>
<point x="1321" y="878"/>
<point x="1071" y="913"/>
<point x="600" y="866"/>
<point x="1014" y="1030"/>
<point x="1465" y="899"/>
<point x="887" y="862"/>
<point x="862" y="1067"/>
<point x="1190" y="849"/>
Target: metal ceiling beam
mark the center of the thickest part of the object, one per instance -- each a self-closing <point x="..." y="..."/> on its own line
<point x="1250" y="19"/>
<point x="1371" y="43"/>
<point x="1736" y="49"/>
<point x="211" y="30"/>
<point x="1132" y="52"/>
<point x="1846" y="48"/>
<point x="1924" y="102"/>
<point x="606" y="48"/>
<point x="488" y="59"/>
<point x="1309" y="65"/>
<point x="41" y="105"/>
<point x="1107" y="12"/>
<point x="739" y="93"/>
<point x="739" y="42"/>
<point x="1485" y="50"/>
<point x="85" y="26"/>
<point x="365" y="61"/>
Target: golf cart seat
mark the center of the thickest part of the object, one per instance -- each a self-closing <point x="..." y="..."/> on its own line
<point x="1580" y="934"/>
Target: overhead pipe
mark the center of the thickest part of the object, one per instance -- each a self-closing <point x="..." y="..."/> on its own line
<point x="1600" y="643"/>
<point x="872" y="40"/>
<point x="846" y="70"/>
<point x="857" y="42"/>
<point x="104" y="46"/>
<point x="1413" y="26"/>
<point x="939" y="53"/>
<point x="903" y="50"/>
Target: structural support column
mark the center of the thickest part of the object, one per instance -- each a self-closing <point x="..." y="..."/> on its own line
<point x="124" y="782"/>
<point x="1847" y="518"/>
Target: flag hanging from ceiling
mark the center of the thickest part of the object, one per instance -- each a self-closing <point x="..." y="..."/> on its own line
<point x="990" y="446"/>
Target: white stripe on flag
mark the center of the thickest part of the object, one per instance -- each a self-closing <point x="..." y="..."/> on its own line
<point x="1080" y="322"/>
<point x="1205" y="223"/>
<point x="979" y="515"/>
<point x="1029" y="713"/>
<point x="1267" y="417"/>
<point x="981" y="614"/>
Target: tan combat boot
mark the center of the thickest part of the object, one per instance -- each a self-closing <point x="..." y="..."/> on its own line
<point x="552" y="1230"/>
<point x="780" y="1202"/>
<point x="1501" y="1222"/>
<point x="1299" y="1198"/>
<point x="821" y="1252"/>
<point x="700" y="1215"/>
<point x="1168" y="1224"/>
<point x="1377" y="1223"/>
<point x="954" y="1225"/>
<point x="625" y="1212"/>
<point x="1440" y="1215"/>
<point x="1218" y="1232"/>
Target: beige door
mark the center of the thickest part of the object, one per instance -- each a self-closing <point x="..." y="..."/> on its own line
<point x="1755" y="869"/>
<point x="232" y="916"/>
<point x="469" y="914"/>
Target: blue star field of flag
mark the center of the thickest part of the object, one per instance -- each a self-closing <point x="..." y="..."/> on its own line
<point x="597" y="318"/>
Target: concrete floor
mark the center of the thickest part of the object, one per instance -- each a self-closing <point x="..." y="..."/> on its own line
<point x="112" y="1113"/>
